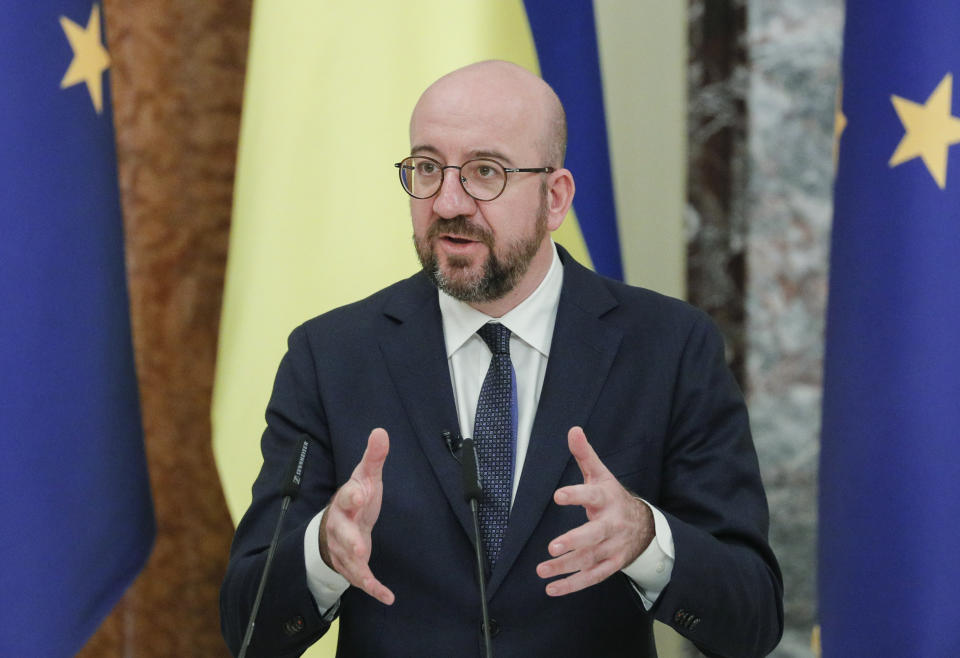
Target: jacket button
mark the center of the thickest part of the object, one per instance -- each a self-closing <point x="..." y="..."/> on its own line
<point x="679" y="616"/>
<point x="293" y="625"/>
<point x="686" y="619"/>
<point x="494" y="627"/>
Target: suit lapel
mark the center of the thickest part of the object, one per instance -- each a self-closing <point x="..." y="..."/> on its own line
<point x="414" y="350"/>
<point x="581" y="353"/>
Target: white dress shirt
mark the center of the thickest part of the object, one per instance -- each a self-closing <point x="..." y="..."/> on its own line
<point x="531" y="324"/>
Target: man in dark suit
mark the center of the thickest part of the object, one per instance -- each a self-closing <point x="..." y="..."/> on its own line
<point x="626" y="489"/>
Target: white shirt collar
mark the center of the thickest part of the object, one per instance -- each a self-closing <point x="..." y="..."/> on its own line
<point x="531" y="320"/>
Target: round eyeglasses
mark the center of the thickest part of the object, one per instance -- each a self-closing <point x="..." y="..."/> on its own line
<point x="482" y="179"/>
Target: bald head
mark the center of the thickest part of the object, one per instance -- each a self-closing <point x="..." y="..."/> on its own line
<point x="499" y="92"/>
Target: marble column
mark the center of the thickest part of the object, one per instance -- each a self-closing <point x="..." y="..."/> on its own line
<point x="794" y="50"/>
<point x="717" y="124"/>
<point x="763" y="76"/>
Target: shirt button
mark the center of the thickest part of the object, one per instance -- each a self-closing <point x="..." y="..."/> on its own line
<point x="660" y="567"/>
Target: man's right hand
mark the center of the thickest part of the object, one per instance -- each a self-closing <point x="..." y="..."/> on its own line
<point x="345" y="542"/>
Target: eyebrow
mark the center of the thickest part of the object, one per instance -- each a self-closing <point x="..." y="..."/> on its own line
<point x="473" y="155"/>
<point x="492" y="155"/>
<point x="424" y="147"/>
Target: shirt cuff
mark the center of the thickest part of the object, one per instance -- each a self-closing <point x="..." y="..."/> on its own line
<point x="650" y="572"/>
<point x="325" y="584"/>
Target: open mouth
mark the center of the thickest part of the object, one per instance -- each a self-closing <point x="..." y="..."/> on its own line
<point x="456" y="240"/>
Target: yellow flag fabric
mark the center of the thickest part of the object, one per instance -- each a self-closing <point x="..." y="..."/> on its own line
<point x="319" y="217"/>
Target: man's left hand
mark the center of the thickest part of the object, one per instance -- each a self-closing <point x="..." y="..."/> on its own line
<point x="619" y="526"/>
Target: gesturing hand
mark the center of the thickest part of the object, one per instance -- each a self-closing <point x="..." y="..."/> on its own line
<point x="618" y="528"/>
<point x="345" y="543"/>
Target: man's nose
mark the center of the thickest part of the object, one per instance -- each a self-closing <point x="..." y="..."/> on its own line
<point x="452" y="200"/>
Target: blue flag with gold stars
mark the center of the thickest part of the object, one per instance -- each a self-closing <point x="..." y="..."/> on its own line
<point x="76" y="518"/>
<point x="890" y="458"/>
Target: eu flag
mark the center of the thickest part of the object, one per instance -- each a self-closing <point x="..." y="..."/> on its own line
<point x="75" y="510"/>
<point x="889" y="546"/>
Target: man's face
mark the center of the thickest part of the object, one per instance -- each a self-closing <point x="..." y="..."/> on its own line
<point x="478" y="251"/>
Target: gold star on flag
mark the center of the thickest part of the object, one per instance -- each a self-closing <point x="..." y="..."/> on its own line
<point x="930" y="130"/>
<point x="839" y="123"/>
<point x="90" y="58"/>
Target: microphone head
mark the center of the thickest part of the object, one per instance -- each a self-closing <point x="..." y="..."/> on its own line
<point x="453" y="442"/>
<point x="472" y="488"/>
<point x="294" y="474"/>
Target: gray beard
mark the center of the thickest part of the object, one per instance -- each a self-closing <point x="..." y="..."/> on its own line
<point x="499" y="275"/>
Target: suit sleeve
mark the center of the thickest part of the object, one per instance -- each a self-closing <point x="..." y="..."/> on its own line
<point x="726" y="590"/>
<point x="288" y="621"/>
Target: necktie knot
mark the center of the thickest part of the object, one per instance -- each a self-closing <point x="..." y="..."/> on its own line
<point x="496" y="336"/>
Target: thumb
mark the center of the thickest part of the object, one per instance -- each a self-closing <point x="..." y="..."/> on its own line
<point x="371" y="464"/>
<point x="587" y="459"/>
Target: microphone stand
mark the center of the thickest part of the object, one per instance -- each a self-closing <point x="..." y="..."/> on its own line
<point x="484" y="613"/>
<point x="291" y="487"/>
<point x="472" y="491"/>
<point x="263" y="579"/>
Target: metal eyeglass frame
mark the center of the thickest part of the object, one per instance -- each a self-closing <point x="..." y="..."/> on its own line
<point x="443" y="168"/>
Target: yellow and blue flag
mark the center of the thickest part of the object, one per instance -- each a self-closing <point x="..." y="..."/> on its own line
<point x="890" y="459"/>
<point x="75" y="511"/>
<point x="566" y="42"/>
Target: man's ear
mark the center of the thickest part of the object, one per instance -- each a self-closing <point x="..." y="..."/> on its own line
<point x="560" y="190"/>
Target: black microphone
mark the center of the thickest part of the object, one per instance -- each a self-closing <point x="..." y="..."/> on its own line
<point x="291" y="483"/>
<point x="472" y="491"/>
<point x="291" y="487"/>
<point x="454" y="443"/>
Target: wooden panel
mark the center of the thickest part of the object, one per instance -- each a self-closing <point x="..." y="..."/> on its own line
<point x="177" y="79"/>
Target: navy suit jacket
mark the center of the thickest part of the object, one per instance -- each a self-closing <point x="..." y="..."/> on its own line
<point x="643" y="374"/>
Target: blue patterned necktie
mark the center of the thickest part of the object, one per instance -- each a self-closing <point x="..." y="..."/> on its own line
<point x="494" y="433"/>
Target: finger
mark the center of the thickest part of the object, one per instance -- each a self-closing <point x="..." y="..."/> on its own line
<point x="585" y="495"/>
<point x="590" y="465"/>
<point x="582" y="579"/>
<point x="371" y="464"/>
<point x="571" y="562"/>
<point x="379" y="591"/>
<point x="360" y="576"/>
<point x="348" y="546"/>
<point x="369" y="584"/>
<point x="350" y="499"/>
<point x="350" y="557"/>
<point x="584" y="536"/>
